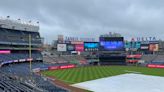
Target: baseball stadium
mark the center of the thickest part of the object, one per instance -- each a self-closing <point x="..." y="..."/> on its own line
<point x="73" y="64"/>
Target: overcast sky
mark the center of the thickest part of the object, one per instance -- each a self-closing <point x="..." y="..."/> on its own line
<point x="90" y="18"/>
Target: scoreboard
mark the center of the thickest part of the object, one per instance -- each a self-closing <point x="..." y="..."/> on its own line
<point x="111" y="44"/>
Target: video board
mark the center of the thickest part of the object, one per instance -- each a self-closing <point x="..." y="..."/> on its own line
<point x="153" y="47"/>
<point x="133" y="45"/>
<point x="70" y="47"/>
<point x="111" y="44"/>
<point x="91" y="46"/>
<point x="79" y="47"/>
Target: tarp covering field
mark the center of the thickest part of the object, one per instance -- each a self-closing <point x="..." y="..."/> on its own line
<point x="125" y="83"/>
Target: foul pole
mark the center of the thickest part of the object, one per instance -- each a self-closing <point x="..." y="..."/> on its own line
<point x="30" y="52"/>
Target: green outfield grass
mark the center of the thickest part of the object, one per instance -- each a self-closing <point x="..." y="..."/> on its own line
<point x="82" y="74"/>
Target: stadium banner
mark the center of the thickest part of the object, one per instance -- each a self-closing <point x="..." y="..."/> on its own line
<point x="29" y="59"/>
<point x="36" y="70"/>
<point x="43" y="68"/>
<point x="61" y="47"/>
<point x="10" y="61"/>
<point x="77" y="42"/>
<point x="5" y="51"/>
<point x="53" y="67"/>
<point x="22" y="60"/>
<point x="153" y="47"/>
<point x="155" y="66"/>
<point x="145" y="47"/>
<point x="132" y="61"/>
<point x="70" y="47"/>
<point x="15" y="61"/>
<point x="6" y="62"/>
<point x="67" y="66"/>
<point x="79" y="39"/>
<point x="79" y="47"/>
<point x="134" y="56"/>
<point x="61" y="67"/>
<point x="141" y="39"/>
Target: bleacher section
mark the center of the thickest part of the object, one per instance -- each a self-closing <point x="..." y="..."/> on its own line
<point x="148" y="58"/>
<point x="11" y="84"/>
<point x="16" y="41"/>
<point x="19" y="42"/>
<point x="73" y="59"/>
<point x="15" y="37"/>
<point x="19" y="57"/>
<point x="159" y="58"/>
<point x="153" y="59"/>
<point x="38" y="81"/>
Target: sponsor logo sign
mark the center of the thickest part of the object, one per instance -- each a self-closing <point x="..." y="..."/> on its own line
<point x="61" y="47"/>
<point x="155" y="66"/>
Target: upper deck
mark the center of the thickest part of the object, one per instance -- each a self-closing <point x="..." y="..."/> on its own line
<point x="19" y="25"/>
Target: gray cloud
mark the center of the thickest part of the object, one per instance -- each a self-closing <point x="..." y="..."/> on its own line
<point x="90" y="18"/>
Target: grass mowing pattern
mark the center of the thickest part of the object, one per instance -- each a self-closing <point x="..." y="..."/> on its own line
<point x="82" y="74"/>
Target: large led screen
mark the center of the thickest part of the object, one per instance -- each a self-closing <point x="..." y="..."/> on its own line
<point x="70" y="47"/>
<point x="136" y="45"/>
<point x="153" y="47"/>
<point x="91" y="46"/>
<point x="79" y="47"/>
<point x="111" y="44"/>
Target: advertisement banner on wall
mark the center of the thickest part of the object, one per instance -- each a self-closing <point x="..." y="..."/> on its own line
<point x="136" y="45"/>
<point x="53" y="67"/>
<point x="5" y="51"/>
<point x="61" y="67"/>
<point x="79" y="47"/>
<point x="61" y="47"/>
<point x="77" y="42"/>
<point x="67" y="66"/>
<point x="144" y="47"/>
<point x="70" y="47"/>
<point x="153" y="47"/>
